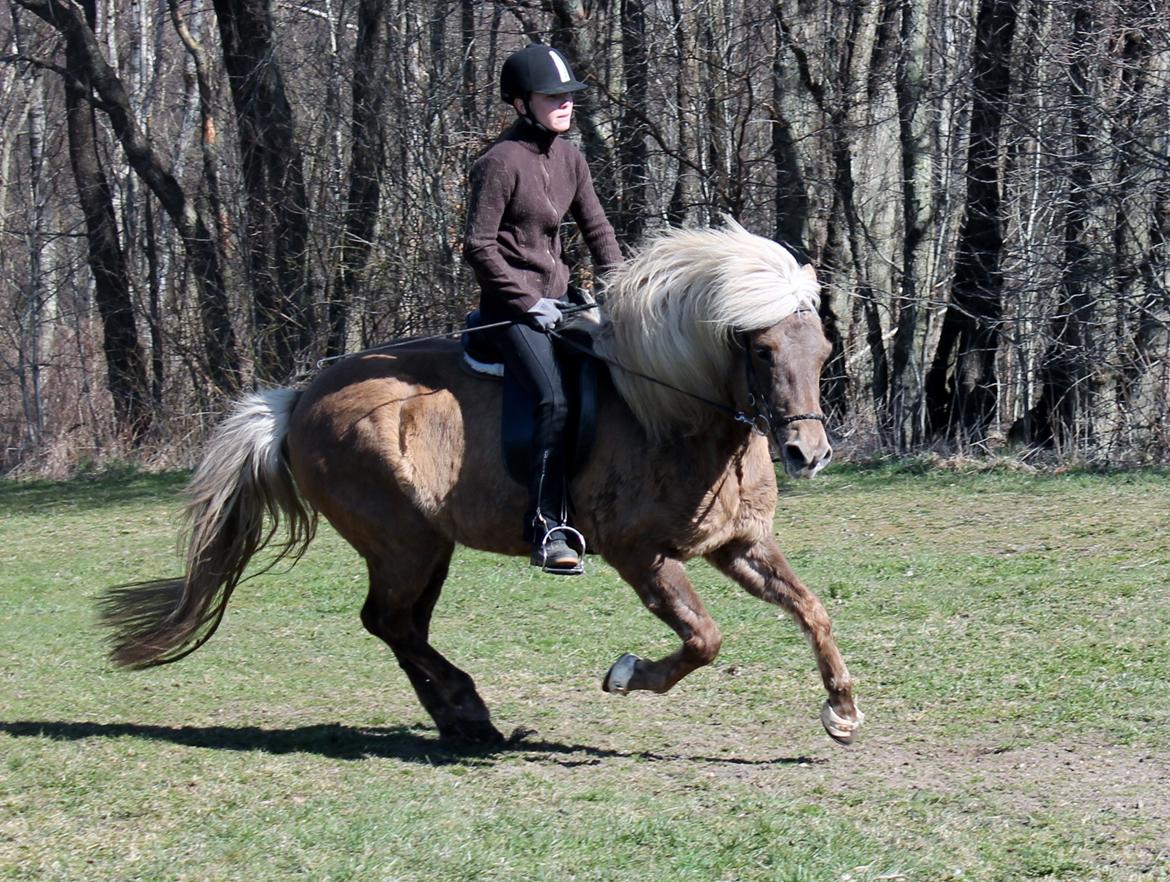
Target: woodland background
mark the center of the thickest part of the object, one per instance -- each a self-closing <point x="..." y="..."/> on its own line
<point x="196" y="198"/>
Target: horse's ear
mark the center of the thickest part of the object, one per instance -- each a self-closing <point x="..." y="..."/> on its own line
<point x="809" y="270"/>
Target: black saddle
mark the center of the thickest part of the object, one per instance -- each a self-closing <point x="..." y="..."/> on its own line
<point x="580" y="372"/>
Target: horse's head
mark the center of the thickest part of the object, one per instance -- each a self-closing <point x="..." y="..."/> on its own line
<point x="681" y="314"/>
<point x="784" y="378"/>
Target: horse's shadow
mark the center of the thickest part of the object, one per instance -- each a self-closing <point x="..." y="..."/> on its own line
<point x="414" y="744"/>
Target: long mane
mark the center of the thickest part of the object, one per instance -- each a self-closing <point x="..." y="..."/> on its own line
<point x="673" y="311"/>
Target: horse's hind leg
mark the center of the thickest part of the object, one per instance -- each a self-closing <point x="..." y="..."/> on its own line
<point x="403" y="591"/>
<point x="663" y="586"/>
<point x="762" y="570"/>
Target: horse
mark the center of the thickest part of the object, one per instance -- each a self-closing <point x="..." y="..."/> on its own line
<point x="716" y="347"/>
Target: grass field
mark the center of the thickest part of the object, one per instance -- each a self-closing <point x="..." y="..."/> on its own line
<point x="1008" y="632"/>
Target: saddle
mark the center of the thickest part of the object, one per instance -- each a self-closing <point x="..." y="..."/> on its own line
<point x="581" y="374"/>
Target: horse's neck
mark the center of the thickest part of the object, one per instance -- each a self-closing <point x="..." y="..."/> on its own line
<point x="722" y="447"/>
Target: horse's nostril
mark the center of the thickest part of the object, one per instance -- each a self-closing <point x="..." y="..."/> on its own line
<point x="794" y="454"/>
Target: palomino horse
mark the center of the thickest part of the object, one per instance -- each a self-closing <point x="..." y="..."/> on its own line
<point x="401" y="453"/>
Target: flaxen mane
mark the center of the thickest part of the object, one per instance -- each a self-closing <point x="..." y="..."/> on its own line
<point x="673" y="311"/>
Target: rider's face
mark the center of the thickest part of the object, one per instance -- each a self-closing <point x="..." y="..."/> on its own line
<point x="554" y="112"/>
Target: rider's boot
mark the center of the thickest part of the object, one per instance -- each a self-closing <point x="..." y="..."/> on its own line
<point x="556" y="547"/>
<point x="555" y="555"/>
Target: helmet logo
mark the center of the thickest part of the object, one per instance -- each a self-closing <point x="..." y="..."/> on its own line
<point x="562" y="68"/>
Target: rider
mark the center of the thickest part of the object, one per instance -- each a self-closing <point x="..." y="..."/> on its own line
<point x="521" y="189"/>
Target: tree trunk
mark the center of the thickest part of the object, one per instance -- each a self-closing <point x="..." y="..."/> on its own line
<point x="35" y="293"/>
<point x="684" y="194"/>
<point x="277" y="203"/>
<point x="125" y="363"/>
<point x="851" y="72"/>
<point x="467" y="43"/>
<point x="904" y="404"/>
<point x="1066" y="370"/>
<point x="361" y="210"/>
<point x="208" y="130"/>
<point x="791" y="201"/>
<point x="633" y="204"/>
<point x="1140" y="245"/>
<point x="571" y="35"/>
<point x="961" y="387"/>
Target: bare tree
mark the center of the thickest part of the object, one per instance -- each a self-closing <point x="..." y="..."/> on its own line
<point x="219" y="336"/>
<point x="361" y="210"/>
<point x="632" y="155"/>
<point x="34" y="298"/>
<point x="125" y="363"/>
<point x="277" y="203"/>
<point x="962" y="385"/>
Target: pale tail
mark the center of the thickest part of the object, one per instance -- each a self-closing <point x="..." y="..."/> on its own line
<point x="243" y="477"/>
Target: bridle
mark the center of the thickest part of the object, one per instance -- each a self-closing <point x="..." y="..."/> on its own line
<point x="764" y="420"/>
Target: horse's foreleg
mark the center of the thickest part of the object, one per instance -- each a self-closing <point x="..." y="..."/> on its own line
<point x="764" y="572"/>
<point x="665" y="590"/>
<point x="398" y="610"/>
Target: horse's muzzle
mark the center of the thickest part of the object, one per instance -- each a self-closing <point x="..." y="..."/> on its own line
<point x="806" y="453"/>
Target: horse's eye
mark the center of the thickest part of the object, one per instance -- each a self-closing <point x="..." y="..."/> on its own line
<point x="763" y="353"/>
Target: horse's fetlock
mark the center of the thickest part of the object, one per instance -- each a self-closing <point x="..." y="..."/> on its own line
<point x="704" y="646"/>
<point x="840" y="693"/>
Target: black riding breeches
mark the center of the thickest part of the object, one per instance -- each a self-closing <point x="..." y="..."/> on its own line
<point x="529" y="357"/>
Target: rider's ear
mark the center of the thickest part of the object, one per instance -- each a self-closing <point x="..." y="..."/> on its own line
<point x="809" y="270"/>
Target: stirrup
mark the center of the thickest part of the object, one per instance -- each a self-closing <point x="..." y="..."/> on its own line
<point x="578" y="546"/>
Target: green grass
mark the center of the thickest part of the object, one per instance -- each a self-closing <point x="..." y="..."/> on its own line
<point x="1008" y="631"/>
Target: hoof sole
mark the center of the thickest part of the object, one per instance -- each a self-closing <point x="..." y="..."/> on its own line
<point x="618" y="679"/>
<point x="840" y="729"/>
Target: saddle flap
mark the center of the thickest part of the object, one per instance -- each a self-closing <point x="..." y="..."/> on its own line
<point x="518" y="417"/>
<point x="573" y="343"/>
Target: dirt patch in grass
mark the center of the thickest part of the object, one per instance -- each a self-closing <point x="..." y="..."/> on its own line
<point x="1061" y="804"/>
<point x="1066" y="775"/>
<point x="1062" y="775"/>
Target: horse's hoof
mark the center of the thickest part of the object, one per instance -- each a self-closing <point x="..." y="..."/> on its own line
<point x="472" y="732"/>
<point x="840" y="729"/>
<point x="618" y="679"/>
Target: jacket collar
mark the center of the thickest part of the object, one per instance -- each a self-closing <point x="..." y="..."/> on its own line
<point x="535" y="139"/>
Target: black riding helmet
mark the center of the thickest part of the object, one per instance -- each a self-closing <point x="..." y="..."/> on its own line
<point x="537" y="68"/>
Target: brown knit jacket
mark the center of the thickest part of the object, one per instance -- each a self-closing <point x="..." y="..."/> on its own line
<point x="521" y="190"/>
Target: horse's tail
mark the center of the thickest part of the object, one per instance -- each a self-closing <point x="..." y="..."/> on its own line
<point x="243" y="475"/>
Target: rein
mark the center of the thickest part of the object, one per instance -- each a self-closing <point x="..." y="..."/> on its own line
<point x="446" y="335"/>
<point x="771" y="422"/>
